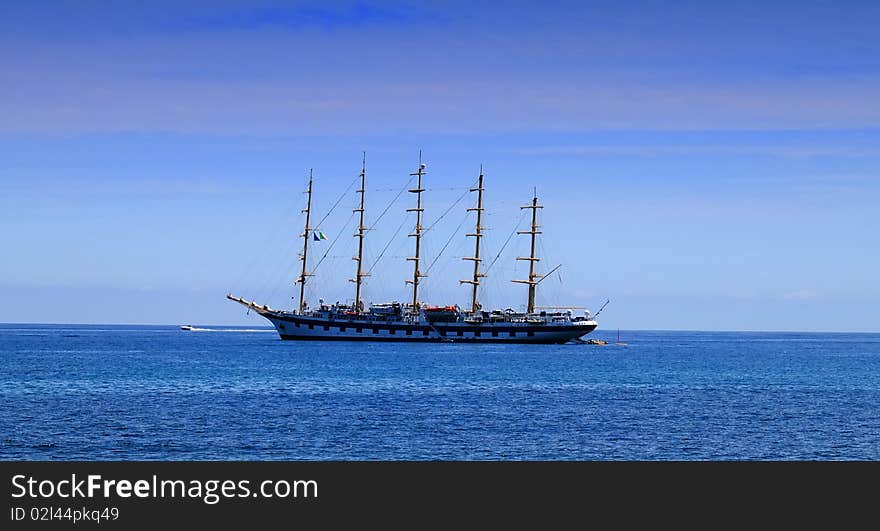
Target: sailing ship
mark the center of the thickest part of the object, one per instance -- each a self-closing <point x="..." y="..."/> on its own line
<point x="415" y="320"/>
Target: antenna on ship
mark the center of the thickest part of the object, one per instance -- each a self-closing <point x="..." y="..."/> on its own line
<point x="532" y="282"/>
<point x="303" y="274"/>
<point x="358" y="279"/>
<point x="417" y="234"/>
<point x="478" y="235"/>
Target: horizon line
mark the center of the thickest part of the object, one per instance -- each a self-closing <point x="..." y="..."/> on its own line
<point x="269" y="327"/>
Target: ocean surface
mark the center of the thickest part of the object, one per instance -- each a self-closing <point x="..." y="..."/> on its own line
<point x="74" y="392"/>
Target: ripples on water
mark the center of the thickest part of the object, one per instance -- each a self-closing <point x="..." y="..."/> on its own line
<point x="142" y="393"/>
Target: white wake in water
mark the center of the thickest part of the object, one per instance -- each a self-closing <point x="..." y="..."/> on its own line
<point x="194" y="329"/>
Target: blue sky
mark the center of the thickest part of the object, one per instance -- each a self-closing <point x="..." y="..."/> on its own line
<point x="703" y="165"/>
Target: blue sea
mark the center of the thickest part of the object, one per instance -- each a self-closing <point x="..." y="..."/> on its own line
<point x="75" y="392"/>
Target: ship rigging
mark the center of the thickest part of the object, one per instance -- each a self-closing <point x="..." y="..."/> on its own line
<point x="415" y="320"/>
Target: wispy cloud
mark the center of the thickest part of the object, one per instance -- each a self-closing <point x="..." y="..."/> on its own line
<point x="800" y="295"/>
<point x="805" y="150"/>
<point x="54" y="99"/>
<point x="355" y="67"/>
<point x="294" y="16"/>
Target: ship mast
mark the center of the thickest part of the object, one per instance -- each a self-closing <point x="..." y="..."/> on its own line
<point x="478" y="235"/>
<point x="303" y="274"/>
<point x="417" y="234"/>
<point x="532" y="282"/>
<point x="358" y="279"/>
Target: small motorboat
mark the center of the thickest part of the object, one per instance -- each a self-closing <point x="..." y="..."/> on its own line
<point x="186" y="327"/>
